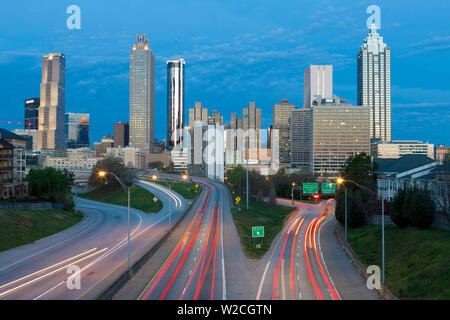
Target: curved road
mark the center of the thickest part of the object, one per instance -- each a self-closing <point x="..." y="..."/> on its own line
<point x="97" y="246"/>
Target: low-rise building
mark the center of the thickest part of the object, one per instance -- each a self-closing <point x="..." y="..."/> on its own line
<point x="398" y="148"/>
<point x="440" y="151"/>
<point x="13" y="167"/>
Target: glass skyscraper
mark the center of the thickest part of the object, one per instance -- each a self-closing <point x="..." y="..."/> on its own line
<point x="32" y="113"/>
<point x="374" y="84"/>
<point x="77" y="130"/>
<point x="142" y="94"/>
<point x="175" y="101"/>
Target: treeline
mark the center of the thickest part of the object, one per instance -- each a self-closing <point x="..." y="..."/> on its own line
<point x="51" y="185"/>
<point x="261" y="187"/>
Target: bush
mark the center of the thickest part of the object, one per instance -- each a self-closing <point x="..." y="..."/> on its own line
<point x="397" y="212"/>
<point x="422" y="209"/>
<point x="413" y="207"/>
<point x="356" y="207"/>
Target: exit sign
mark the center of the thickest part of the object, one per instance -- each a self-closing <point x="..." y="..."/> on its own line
<point x="328" y="188"/>
<point x="257" y="232"/>
<point x="310" y="188"/>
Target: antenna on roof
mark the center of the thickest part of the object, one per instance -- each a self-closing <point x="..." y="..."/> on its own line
<point x="175" y="44"/>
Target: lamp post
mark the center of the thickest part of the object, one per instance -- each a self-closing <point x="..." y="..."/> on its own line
<point x="128" y="191"/>
<point x="340" y="181"/>
<point x="292" y="191"/>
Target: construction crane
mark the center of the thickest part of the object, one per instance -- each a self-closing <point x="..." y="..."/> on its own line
<point x="18" y="122"/>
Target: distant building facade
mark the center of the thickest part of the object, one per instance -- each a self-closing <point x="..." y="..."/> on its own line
<point x="318" y="81"/>
<point x="281" y="115"/>
<point x="77" y="130"/>
<point x="32" y="113"/>
<point x="121" y="134"/>
<point x="52" y="102"/>
<point x="175" y="102"/>
<point x="440" y="152"/>
<point x="327" y="134"/>
<point x="398" y="148"/>
<point x="13" y="167"/>
<point x="142" y="94"/>
<point x="374" y="84"/>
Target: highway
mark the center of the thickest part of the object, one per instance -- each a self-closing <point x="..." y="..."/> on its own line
<point x="299" y="262"/>
<point x="195" y="267"/>
<point x="97" y="246"/>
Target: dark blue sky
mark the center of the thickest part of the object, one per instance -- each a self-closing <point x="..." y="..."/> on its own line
<point x="235" y="52"/>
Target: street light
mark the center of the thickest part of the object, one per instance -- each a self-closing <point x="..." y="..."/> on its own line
<point x="128" y="191"/>
<point x="292" y="191"/>
<point x="341" y="181"/>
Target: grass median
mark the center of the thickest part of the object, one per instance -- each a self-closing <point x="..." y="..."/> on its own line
<point x="417" y="261"/>
<point x="186" y="189"/>
<point x="259" y="214"/>
<point x="140" y="198"/>
<point x="19" y="227"/>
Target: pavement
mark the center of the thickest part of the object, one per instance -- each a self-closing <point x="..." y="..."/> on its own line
<point x="95" y="249"/>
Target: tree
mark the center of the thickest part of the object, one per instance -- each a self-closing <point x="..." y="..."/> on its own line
<point x="156" y="165"/>
<point x="423" y="209"/>
<point x="359" y="168"/>
<point x="109" y="164"/>
<point x="397" y="212"/>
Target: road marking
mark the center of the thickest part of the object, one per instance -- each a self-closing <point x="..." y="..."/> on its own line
<point x="283" y="291"/>
<point x="324" y="262"/>
<point x="50" y="273"/>
<point x="51" y="289"/>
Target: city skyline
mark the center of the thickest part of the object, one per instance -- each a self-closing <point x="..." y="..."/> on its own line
<point x="412" y="99"/>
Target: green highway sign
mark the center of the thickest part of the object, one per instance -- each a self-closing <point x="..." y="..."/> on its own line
<point x="328" y="188"/>
<point x="310" y="188"/>
<point x="257" y="232"/>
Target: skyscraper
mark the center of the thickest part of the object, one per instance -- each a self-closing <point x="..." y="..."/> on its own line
<point x="52" y="102"/>
<point x="281" y="114"/>
<point x="76" y="130"/>
<point x="374" y="84"/>
<point x="198" y="114"/>
<point x="175" y="101"/>
<point x="142" y="94"/>
<point x="32" y="113"/>
<point x="251" y="120"/>
<point x="318" y="81"/>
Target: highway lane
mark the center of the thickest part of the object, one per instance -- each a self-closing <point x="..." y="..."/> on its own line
<point x="296" y="268"/>
<point x="98" y="246"/>
<point x="194" y="268"/>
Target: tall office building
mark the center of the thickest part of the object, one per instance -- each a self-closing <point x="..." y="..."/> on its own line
<point x="52" y="102"/>
<point x="318" y="81"/>
<point x="76" y="130"/>
<point x="281" y="114"/>
<point x="175" y="101"/>
<point x="121" y="134"/>
<point x="32" y="113"/>
<point x="142" y="94"/>
<point x="198" y="114"/>
<point x="251" y="121"/>
<point x="374" y="84"/>
<point x="215" y="118"/>
<point x="326" y="134"/>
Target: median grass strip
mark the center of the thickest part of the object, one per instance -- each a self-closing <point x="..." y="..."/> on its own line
<point x="417" y="261"/>
<point x="19" y="227"/>
<point x="185" y="189"/>
<point x="259" y="214"/>
<point x="140" y="198"/>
